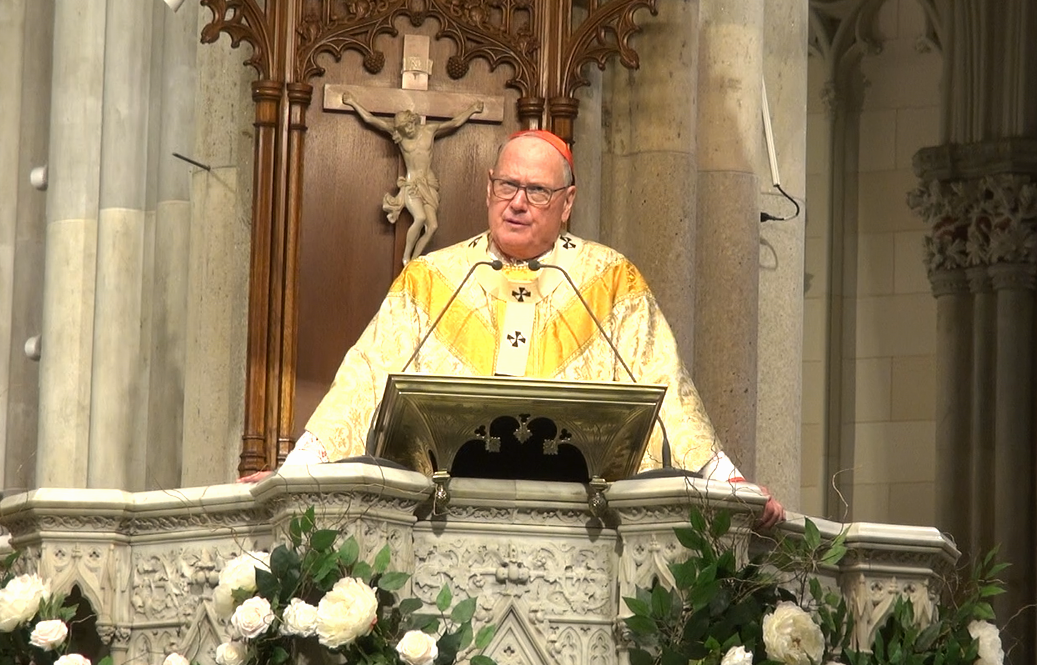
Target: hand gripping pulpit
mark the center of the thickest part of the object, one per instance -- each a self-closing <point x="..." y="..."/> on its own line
<point x="515" y="428"/>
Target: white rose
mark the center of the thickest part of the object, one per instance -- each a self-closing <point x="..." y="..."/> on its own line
<point x="48" y="634"/>
<point x="240" y="572"/>
<point x="20" y="600"/>
<point x="230" y="653"/>
<point x="252" y="618"/>
<point x="791" y="636"/>
<point x="175" y="659"/>
<point x="346" y="612"/>
<point x="72" y="659"/>
<point x="300" y="618"/>
<point x="737" y="656"/>
<point x="223" y="601"/>
<point x="989" y="638"/>
<point x="417" y="648"/>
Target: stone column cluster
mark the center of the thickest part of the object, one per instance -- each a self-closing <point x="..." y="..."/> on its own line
<point x="980" y="204"/>
<point x="683" y="168"/>
<point x="132" y="272"/>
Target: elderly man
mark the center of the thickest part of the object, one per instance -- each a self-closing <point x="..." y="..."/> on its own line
<point x="521" y="322"/>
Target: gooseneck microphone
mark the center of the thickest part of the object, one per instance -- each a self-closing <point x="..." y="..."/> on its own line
<point x="496" y="264"/>
<point x="534" y="265"/>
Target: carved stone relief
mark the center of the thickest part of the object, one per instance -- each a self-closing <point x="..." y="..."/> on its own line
<point x="871" y="599"/>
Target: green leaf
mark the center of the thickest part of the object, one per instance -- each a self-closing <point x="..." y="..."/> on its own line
<point x="362" y="570"/>
<point x="990" y="590"/>
<point x="833" y="555"/>
<point x="323" y="539"/>
<point x="381" y="560"/>
<point x="282" y="560"/>
<point x="641" y="625"/>
<point x="393" y="581"/>
<point x="660" y="602"/>
<point x="721" y="524"/>
<point x="483" y="660"/>
<point x="449" y="645"/>
<point x="983" y="611"/>
<point x="278" y="656"/>
<point x="811" y="535"/>
<point x="463" y="611"/>
<point x="444" y="598"/>
<point x="641" y="657"/>
<point x="484" y="637"/>
<point x="671" y="657"/>
<point x="349" y="552"/>
<point x="295" y="532"/>
<point x="638" y="607"/>
<point x="684" y="573"/>
<point x="466" y="635"/>
<point x="410" y="605"/>
<point x="690" y="538"/>
<point x="698" y="520"/>
<point x="267" y="585"/>
<point x="701" y="595"/>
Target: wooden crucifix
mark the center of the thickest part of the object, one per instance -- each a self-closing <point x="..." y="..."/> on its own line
<point x="410" y="105"/>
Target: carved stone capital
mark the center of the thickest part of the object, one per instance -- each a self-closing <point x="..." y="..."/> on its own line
<point x="1014" y="276"/>
<point x="979" y="279"/>
<point x="959" y="161"/>
<point x="978" y="221"/>
<point x="949" y="282"/>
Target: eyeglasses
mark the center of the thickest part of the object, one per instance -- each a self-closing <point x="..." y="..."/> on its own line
<point x="537" y="195"/>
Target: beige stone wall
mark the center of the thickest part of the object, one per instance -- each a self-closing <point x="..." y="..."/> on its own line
<point x="887" y="370"/>
<point x="815" y="295"/>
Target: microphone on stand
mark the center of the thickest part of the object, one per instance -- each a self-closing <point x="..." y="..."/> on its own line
<point x="667" y="468"/>
<point x="496" y="264"/>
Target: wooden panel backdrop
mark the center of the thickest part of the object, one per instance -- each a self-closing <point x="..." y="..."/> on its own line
<point x="349" y="251"/>
<point x="323" y="255"/>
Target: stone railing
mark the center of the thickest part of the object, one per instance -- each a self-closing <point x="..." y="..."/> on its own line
<point x="544" y="570"/>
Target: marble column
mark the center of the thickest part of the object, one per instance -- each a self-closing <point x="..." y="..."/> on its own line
<point x="983" y="215"/>
<point x="649" y="190"/>
<point x="172" y="254"/>
<point x="71" y="243"/>
<point x="12" y="31"/>
<point x="1015" y="490"/>
<point x="114" y="461"/>
<point x="954" y="459"/>
<point x="979" y="536"/>
<point x="727" y="260"/>
<point x="780" y="331"/>
<point x="217" y="277"/>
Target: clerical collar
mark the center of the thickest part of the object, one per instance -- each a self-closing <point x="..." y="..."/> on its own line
<point x="495" y="252"/>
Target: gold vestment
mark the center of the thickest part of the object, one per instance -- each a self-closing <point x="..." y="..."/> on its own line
<point x="563" y="342"/>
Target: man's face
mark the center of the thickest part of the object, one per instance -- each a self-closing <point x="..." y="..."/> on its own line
<point x="519" y="229"/>
<point x="407" y="124"/>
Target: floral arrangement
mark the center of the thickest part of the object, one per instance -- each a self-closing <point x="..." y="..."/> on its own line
<point x="311" y="595"/>
<point x="303" y="597"/>
<point x="722" y="611"/>
<point x="34" y="623"/>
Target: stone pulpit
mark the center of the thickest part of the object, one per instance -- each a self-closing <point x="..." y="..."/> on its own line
<point x="550" y="575"/>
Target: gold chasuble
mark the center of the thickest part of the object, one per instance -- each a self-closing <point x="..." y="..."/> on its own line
<point x="518" y="322"/>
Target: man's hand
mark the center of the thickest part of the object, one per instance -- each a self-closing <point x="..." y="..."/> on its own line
<point x="255" y="477"/>
<point x="773" y="512"/>
<point x="348" y="100"/>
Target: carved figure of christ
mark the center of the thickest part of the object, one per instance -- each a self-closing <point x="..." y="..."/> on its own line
<point x="418" y="189"/>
